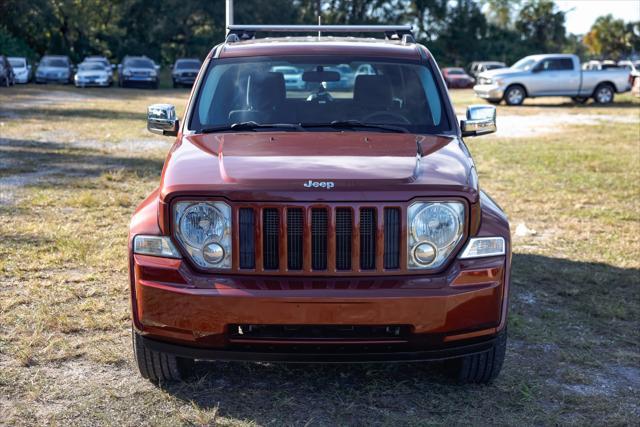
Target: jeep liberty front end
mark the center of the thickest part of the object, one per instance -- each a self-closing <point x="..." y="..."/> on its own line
<point x="329" y="213"/>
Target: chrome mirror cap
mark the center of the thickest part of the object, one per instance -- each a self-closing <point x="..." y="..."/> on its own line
<point x="481" y="120"/>
<point x="162" y="120"/>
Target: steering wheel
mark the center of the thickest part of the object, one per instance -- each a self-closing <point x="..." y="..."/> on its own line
<point x="398" y="116"/>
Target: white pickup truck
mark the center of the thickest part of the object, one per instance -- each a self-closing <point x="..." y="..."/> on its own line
<point x="551" y="75"/>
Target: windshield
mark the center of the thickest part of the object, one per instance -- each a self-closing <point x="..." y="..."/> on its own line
<point x="91" y="66"/>
<point x="188" y="65"/>
<point x="455" y="71"/>
<point x="55" y="63"/>
<point x="524" y="64"/>
<point x="18" y="62"/>
<point x="265" y="91"/>
<point x="494" y="66"/>
<point x="100" y="61"/>
<point x="139" y="63"/>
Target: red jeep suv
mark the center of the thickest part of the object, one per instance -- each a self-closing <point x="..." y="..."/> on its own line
<point x="329" y="215"/>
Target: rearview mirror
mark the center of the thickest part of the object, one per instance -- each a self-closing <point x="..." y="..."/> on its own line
<point x="481" y="120"/>
<point x="321" y="76"/>
<point x="162" y="120"/>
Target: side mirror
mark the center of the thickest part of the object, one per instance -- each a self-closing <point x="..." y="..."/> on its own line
<point x="162" y="120"/>
<point x="481" y="120"/>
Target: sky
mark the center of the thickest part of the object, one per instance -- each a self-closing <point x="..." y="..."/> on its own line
<point x="585" y="12"/>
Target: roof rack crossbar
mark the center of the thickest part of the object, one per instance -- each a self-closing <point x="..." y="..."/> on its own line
<point x="245" y="32"/>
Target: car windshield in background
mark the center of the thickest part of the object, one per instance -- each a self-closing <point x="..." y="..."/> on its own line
<point x="55" y="63"/>
<point x="139" y="63"/>
<point x="312" y="93"/>
<point x="92" y="66"/>
<point x="455" y="71"/>
<point x="188" y="65"/>
<point x="524" y="64"/>
<point x="18" y="63"/>
<point x="102" y="62"/>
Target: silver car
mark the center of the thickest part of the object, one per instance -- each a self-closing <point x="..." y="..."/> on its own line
<point x="551" y="75"/>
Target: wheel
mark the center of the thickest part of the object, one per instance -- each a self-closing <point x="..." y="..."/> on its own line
<point x="604" y="94"/>
<point x="483" y="367"/>
<point x="515" y="95"/>
<point x="175" y="85"/>
<point x="156" y="366"/>
<point x="155" y="85"/>
<point x="580" y="99"/>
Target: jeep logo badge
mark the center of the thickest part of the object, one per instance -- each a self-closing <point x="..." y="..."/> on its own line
<point x="321" y="184"/>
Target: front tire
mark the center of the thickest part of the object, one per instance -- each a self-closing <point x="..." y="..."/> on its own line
<point x="604" y="94"/>
<point x="480" y="368"/>
<point x="515" y="95"/>
<point x="157" y="366"/>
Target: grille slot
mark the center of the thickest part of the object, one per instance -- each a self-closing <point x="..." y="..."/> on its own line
<point x="319" y="224"/>
<point x="367" y="238"/>
<point x="246" y="238"/>
<point x="295" y="231"/>
<point x="270" y="239"/>
<point x="344" y="229"/>
<point x="391" y="238"/>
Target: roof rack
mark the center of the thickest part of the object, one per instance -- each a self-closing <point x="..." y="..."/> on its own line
<point x="248" y="32"/>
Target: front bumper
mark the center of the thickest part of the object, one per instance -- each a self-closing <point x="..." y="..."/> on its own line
<point x="311" y="354"/>
<point x="140" y="80"/>
<point x="491" y="91"/>
<point x="456" y="312"/>
<point x="50" y="79"/>
<point x="22" y="78"/>
<point x="87" y="83"/>
<point x="187" y="80"/>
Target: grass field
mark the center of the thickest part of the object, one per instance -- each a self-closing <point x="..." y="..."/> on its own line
<point x="75" y="163"/>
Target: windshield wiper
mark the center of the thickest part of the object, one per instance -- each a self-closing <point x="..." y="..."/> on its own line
<point x="355" y="124"/>
<point x="250" y="125"/>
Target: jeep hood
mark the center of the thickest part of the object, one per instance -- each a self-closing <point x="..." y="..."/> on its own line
<point x="277" y="165"/>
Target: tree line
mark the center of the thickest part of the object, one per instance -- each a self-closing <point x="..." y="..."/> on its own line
<point x="457" y="32"/>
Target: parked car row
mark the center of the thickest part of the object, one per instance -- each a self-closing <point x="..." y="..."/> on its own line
<point x="95" y="71"/>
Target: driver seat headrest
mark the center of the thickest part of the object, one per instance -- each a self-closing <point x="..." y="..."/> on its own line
<point x="372" y="91"/>
<point x="266" y="91"/>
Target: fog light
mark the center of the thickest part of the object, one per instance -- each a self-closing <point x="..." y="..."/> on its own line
<point x="424" y="253"/>
<point x="213" y="253"/>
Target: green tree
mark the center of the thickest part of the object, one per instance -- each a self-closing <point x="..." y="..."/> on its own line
<point x="611" y="38"/>
<point x="541" y="26"/>
<point x="501" y="12"/>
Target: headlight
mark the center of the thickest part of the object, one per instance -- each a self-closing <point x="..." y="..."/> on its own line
<point x="435" y="229"/>
<point x="126" y="73"/>
<point x="204" y="229"/>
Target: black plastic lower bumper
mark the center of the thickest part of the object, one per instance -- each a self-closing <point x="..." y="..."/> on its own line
<point x="344" y="356"/>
